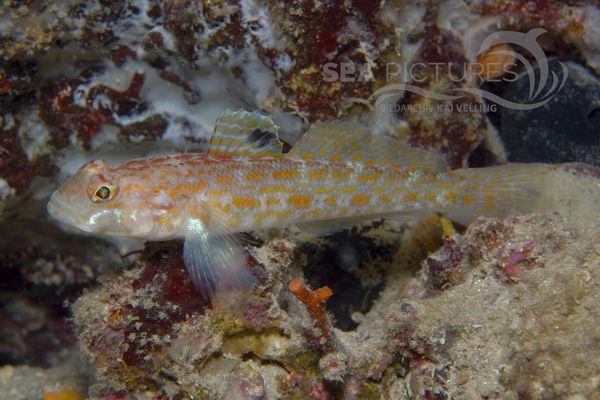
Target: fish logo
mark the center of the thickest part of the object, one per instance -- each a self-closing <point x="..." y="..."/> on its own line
<point x="544" y="83"/>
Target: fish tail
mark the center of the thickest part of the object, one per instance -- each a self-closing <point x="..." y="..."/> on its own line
<point x="500" y="191"/>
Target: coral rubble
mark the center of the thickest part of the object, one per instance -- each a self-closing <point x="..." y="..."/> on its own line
<point x="483" y="320"/>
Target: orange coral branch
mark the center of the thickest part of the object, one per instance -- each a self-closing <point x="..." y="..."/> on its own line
<point x="314" y="302"/>
<point x="67" y="394"/>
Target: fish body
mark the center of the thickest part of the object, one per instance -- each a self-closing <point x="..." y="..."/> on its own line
<point x="245" y="183"/>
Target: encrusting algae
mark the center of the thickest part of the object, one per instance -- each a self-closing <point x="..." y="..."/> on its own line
<point x="336" y="176"/>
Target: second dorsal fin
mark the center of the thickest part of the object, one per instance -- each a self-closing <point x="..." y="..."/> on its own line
<point x="337" y="141"/>
<point x="245" y="134"/>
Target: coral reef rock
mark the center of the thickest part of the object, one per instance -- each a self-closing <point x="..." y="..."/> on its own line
<point x="508" y="309"/>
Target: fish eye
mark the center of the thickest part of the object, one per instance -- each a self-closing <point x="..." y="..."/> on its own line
<point x="103" y="193"/>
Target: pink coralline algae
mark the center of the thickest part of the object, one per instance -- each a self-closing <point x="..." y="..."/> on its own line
<point x="511" y="264"/>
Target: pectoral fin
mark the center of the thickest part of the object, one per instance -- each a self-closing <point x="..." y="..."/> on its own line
<point x="215" y="261"/>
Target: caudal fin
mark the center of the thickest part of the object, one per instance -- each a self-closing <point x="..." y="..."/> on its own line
<point x="500" y="191"/>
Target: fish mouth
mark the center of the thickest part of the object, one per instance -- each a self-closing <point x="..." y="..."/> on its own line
<point x="56" y="207"/>
<point x="59" y="210"/>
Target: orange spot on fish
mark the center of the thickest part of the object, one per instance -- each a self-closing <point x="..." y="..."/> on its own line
<point x="384" y="198"/>
<point x="245" y="202"/>
<point x="489" y="202"/>
<point x="410" y="197"/>
<point x="217" y="192"/>
<point x="286" y="174"/>
<point x="450" y="196"/>
<point x="316" y="213"/>
<point x="317" y="174"/>
<point x="133" y="187"/>
<point x="300" y="201"/>
<point x="366" y="178"/>
<point x="255" y="176"/>
<point x="331" y="201"/>
<point x="360" y="199"/>
<point x="340" y="174"/>
<point x="188" y="187"/>
<point x="467" y="200"/>
<point x="275" y="189"/>
<point x="324" y="189"/>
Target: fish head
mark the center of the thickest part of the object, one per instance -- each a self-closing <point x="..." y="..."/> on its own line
<point x="98" y="199"/>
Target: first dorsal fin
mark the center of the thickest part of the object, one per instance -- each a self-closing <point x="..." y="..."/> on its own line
<point x="337" y="141"/>
<point x="245" y="134"/>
